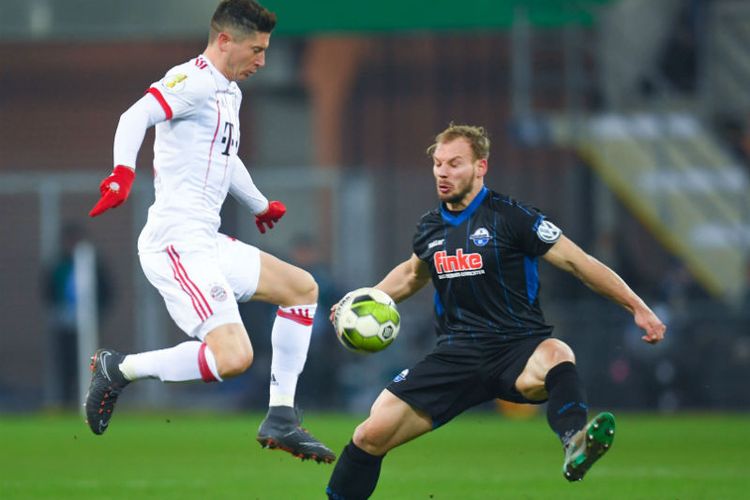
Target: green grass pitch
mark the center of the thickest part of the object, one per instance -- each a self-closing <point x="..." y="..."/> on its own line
<point x="477" y="456"/>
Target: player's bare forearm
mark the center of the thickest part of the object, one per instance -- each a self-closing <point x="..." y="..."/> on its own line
<point x="604" y="281"/>
<point x="569" y="257"/>
<point x="600" y="278"/>
<point x="405" y="279"/>
<point x="402" y="282"/>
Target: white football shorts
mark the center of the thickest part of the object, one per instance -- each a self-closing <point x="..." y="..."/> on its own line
<point x="201" y="288"/>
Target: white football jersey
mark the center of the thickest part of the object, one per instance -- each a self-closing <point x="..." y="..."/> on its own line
<point x="194" y="153"/>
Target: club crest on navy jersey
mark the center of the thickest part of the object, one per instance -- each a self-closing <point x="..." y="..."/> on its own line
<point x="480" y="237"/>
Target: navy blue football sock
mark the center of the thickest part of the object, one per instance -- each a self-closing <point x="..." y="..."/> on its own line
<point x="566" y="407"/>
<point x="355" y="475"/>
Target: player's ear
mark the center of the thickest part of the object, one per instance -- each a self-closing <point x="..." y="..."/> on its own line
<point x="223" y="39"/>
<point x="482" y="167"/>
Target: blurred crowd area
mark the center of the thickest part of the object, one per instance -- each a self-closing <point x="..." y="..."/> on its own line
<point x="336" y="126"/>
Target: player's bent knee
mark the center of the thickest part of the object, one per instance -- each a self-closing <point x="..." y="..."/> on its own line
<point x="367" y="438"/>
<point x="308" y="290"/>
<point x="550" y="353"/>
<point x="231" y="349"/>
<point x="299" y="288"/>
<point x="558" y="352"/>
<point x="233" y="364"/>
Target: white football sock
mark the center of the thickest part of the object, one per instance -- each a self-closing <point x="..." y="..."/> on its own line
<point x="290" y="338"/>
<point x="190" y="360"/>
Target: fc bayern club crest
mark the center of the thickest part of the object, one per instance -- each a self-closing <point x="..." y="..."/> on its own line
<point x="480" y="237"/>
<point x="218" y="293"/>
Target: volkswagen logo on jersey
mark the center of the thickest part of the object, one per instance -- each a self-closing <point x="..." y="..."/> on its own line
<point x="548" y="232"/>
<point x="480" y="237"/>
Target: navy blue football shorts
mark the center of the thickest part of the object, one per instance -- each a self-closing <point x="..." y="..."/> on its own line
<point x="457" y="376"/>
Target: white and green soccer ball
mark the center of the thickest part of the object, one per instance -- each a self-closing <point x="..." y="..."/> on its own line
<point x="366" y="320"/>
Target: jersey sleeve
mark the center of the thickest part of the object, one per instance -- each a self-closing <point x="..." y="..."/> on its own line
<point x="132" y="128"/>
<point x="533" y="232"/>
<point x="419" y="242"/>
<point x="243" y="189"/>
<point x="181" y="91"/>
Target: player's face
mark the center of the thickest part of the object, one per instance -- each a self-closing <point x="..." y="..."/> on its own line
<point x="246" y="55"/>
<point x="458" y="176"/>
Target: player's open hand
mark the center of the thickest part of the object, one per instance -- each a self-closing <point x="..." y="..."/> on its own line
<point x="273" y="213"/>
<point x="653" y="328"/>
<point x="114" y="189"/>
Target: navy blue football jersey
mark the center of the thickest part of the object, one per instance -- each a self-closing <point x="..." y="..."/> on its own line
<point x="484" y="266"/>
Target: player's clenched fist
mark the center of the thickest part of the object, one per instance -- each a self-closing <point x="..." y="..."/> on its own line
<point x="273" y="213"/>
<point x="115" y="189"/>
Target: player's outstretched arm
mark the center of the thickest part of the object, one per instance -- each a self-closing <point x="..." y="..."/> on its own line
<point x="244" y="190"/>
<point x="405" y="279"/>
<point x="568" y="256"/>
<point x="402" y="282"/>
<point x="131" y="130"/>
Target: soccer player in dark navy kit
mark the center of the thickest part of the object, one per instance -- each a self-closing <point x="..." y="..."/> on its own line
<point x="481" y="251"/>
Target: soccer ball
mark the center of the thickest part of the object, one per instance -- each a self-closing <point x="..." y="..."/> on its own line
<point x="366" y="320"/>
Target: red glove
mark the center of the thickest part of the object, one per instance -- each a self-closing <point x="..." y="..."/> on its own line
<point x="115" y="189"/>
<point x="273" y="213"/>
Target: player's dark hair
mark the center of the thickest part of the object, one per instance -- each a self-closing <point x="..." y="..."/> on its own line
<point x="243" y="16"/>
<point x="476" y="136"/>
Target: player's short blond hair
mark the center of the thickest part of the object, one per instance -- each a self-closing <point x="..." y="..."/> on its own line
<point x="474" y="135"/>
<point x="241" y="17"/>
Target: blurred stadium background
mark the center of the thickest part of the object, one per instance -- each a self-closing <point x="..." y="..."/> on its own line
<point x="625" y="120"/>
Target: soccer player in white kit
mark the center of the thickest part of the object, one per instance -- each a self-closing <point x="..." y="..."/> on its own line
<point x="200" y="273"/>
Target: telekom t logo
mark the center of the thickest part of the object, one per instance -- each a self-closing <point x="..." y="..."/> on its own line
<point x="445" y="263"/>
